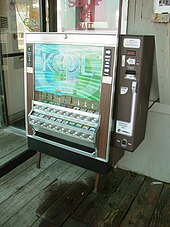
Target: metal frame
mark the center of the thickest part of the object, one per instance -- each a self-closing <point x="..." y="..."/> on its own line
<point x="3" y="103"/>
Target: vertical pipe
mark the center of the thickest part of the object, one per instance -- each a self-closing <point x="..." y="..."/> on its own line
<point x="42" y="8"/>
<point x="52" y="4"/>
<point x="120" y="16"/>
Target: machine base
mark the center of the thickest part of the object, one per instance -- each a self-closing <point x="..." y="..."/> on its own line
<point x="95" y="165"/>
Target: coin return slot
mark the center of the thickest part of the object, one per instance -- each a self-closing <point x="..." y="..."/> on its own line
<point x="124" y="143"/>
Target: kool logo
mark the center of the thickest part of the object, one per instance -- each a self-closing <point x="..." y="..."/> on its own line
<point x="60" y="62"/>
<point x="66" y="63"/>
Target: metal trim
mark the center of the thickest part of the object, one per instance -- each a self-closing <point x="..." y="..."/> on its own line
<point x="72" y="38"/>
<point x="74" y="150"/>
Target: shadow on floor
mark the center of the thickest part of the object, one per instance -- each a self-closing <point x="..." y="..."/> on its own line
<point x="16" y="161"/>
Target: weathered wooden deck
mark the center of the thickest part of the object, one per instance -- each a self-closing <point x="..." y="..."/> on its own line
<point x="11" y="145"/>
<point x="60" y="194"/>
<point x="13" y="149"/>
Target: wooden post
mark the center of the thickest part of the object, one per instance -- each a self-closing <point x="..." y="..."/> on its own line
<point x="39" y="160"/>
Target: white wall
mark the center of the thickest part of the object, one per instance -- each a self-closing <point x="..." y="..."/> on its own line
<point x="152" y="157"/>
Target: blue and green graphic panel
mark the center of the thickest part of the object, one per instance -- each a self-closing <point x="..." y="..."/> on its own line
<point x="70" y="70"/>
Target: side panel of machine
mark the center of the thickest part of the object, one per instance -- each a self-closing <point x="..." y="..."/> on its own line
<point x="29" y="81"/>
<point x="132" y="90"/>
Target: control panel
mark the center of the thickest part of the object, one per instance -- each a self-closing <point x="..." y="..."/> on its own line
<point x="132" y="89"/>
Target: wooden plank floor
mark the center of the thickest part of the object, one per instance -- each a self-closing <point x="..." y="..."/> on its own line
<point x="12" y="145"/>
<point x="61" y="194"/>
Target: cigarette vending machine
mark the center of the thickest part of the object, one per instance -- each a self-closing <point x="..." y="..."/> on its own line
<point x="134" y="72"/>
<point x="69" y="90"/>
<point x="72" y="109"/>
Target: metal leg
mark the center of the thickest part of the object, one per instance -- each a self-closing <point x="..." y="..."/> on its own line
<point x="39" y="160"/>
<point x="95" y="190"/>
